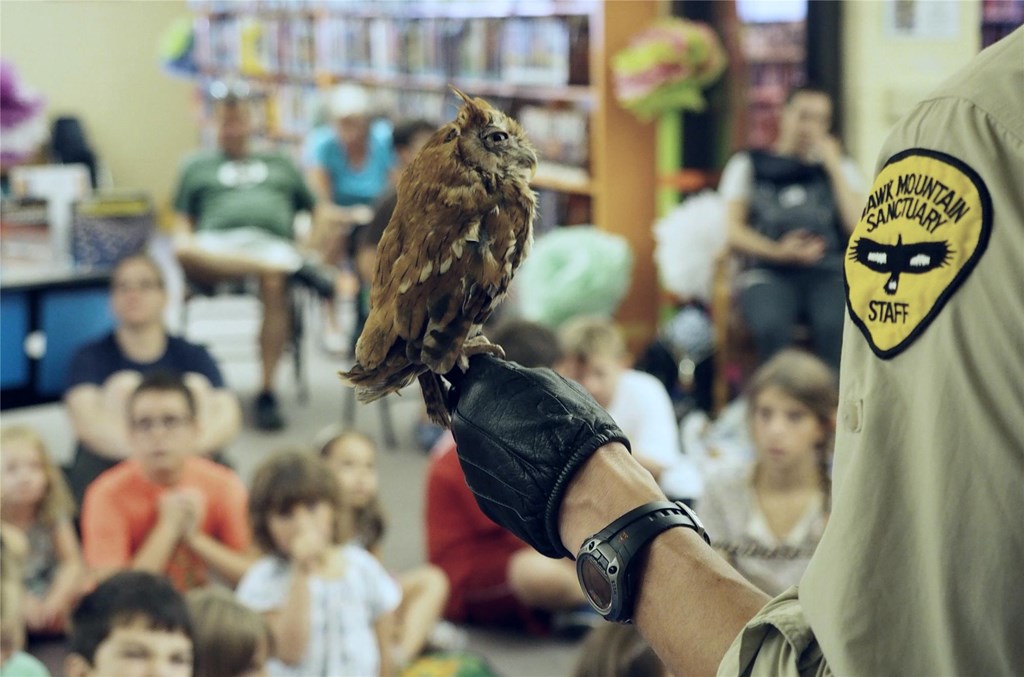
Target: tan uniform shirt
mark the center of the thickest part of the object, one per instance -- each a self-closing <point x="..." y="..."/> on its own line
<point x="921" y="568"/>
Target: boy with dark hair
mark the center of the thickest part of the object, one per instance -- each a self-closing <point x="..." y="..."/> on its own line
<point x="134" y="623"/>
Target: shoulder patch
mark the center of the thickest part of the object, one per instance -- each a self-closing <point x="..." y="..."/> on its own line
<point x="926" y="224"/>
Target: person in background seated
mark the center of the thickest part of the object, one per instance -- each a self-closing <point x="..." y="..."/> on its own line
<point x="329" y="602"/>
<point x="134" y="624"/>
<point x="236" y="211"/>
<point x="790" y="211"/>
<point x="35" y="499"/>
<point x="167" y="510"/>
<point x="597" y="359"/>
<point x="348" y="166"/>
<point x="496" y="579"/>
<point x="768" y="516"/>
<point x="231" y="640"/>
<point x="352" y="456"/>
<point x="105" y="372"/>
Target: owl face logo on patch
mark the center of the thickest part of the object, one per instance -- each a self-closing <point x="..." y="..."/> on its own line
<point x="927" y="222"/>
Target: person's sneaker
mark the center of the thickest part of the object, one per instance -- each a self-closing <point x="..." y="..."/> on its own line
<point x="319" y="279"/>
<point x="447" y="636"/>
<point x="575" y="623"/>
<point x="268" y="415"/>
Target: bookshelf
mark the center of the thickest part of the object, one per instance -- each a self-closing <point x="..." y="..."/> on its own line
<point x="544" y="61"/>
<point x="775" y="54"/>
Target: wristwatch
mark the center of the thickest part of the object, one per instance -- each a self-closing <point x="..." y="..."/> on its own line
<point x="605" y="562"/>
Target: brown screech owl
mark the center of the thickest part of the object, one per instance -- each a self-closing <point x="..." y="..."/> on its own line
<point x="462" y="226"/>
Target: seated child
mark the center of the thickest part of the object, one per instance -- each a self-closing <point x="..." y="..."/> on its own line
<point x="231" y="640"/>
<point x="597" y="359"/>
<point x="328" y="602"/>
<point x="35" y="498"/>
<point x="353" y="458"/>
<point x="133" y="623"/>
<point x="768" y="515"/>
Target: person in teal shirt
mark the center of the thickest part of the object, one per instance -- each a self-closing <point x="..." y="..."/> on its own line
<point x="348" y="166"/>
<point x="348" y="163"/>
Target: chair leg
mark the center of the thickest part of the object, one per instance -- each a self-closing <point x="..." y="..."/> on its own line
<point x="348" y="406"/>
<point x="387" y="423"/>
<point x="298" y="346"/>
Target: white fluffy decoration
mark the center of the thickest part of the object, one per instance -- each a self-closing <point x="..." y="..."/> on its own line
<point x="688" y="240"/>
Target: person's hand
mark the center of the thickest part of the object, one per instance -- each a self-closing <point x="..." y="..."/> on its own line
<point x="309" y="547"/>
<point x="828" y="151"/>
<point x="195" y="504"/>
<point x="51" y="613"/>
<point x="34" y="612"/>
<point x="176" y="511"/>
<point x="801" y="248"/>
<point x="521" y="434"/>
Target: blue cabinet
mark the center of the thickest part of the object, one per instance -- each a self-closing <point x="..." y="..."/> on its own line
<point x="43" y="322"/>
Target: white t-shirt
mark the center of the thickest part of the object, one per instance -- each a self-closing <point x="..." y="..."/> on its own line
<point x="738" y="177"/>
<point x="737" y="526"/>
<point x="643" y="410"/>
<point x="342" y="612"/>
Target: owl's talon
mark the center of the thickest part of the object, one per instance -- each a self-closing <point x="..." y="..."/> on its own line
<point x="478" y="345"/>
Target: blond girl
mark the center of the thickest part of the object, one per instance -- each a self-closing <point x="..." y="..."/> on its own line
<point x="35" y="499"/>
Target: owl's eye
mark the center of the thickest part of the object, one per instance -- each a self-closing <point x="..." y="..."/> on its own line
<point x="497" y="137"/>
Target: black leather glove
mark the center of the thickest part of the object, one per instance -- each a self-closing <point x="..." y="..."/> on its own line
<point x="521" y="435"/>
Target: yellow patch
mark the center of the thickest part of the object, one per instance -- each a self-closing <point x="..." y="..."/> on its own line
<point x="927" y="222"/>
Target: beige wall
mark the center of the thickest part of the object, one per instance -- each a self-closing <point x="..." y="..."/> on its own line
<point x="885" y="75"/>
<point x="99" y="60"/>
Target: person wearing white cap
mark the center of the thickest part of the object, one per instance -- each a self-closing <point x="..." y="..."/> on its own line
<point x="348" y="165"/>
<point x="349" y="162"/>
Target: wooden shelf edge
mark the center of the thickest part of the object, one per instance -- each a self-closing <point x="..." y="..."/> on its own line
<point x="579" y="94"/>
<point x="563" y="179"/>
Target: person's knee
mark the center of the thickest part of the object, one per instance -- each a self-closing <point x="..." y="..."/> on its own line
<point x="120" y="385"/>
<point x="540" y="582"/>
<point x="427" y="580"/>
<point x="771" y="331"/>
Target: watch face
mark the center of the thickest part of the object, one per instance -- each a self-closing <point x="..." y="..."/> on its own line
<point x="595" y="583"/>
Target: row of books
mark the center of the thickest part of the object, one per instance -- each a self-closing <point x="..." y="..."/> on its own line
<point x="560" y="135"/>
<point x="545" y="51"/>
<point x="454" y="8"/>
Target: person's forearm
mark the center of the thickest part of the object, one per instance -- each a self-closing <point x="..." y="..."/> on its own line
<point x="384" y="628"/>
<point x="229" y="564"/>
<point x="101" y="434"/>
<point x="156" y="551"/>
<point x="849" y="203"/>
<point x="746" y="241"/>
<point x="691" y="604"/>
<point x="221" y="422"/>
<point x="291" y="627"/>
<point x="67" y="583"/>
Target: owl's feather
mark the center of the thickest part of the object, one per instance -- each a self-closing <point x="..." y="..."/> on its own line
<point x="462" y="225"/>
